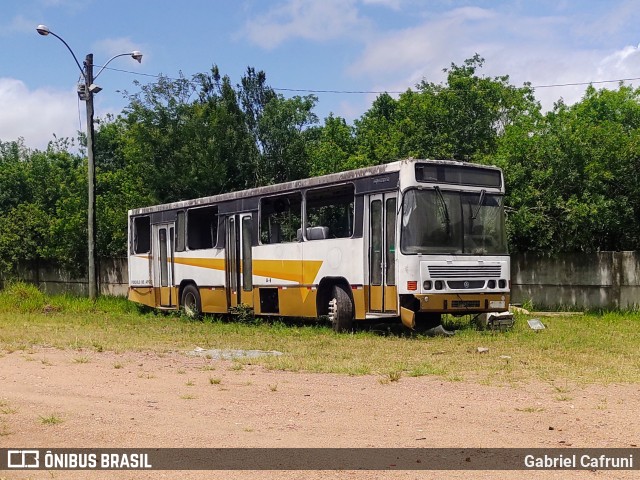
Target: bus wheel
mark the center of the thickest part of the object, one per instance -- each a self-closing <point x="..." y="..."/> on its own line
<point x="190" y="301"/>
<point x="341" y="309"/>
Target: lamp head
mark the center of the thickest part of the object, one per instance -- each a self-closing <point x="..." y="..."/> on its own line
<point x="43" y="30"/>
<point x="137" y="55"/>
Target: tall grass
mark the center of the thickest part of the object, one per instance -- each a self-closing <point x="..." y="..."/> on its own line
<point x="598" y="347"/>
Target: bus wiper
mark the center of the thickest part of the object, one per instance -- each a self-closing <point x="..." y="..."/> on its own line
<point x="479" y="206"/>
<point x="444" y="209"/>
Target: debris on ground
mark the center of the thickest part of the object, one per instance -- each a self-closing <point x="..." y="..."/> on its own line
<point x="439" y="331"/>
<point x="536" y="324"/>
<point x="495" y="320"/>
<point x="218" y="354"/>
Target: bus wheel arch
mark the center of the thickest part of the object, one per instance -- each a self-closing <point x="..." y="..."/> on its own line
<point x="335" y="300"/>
<point x="190" y="301"/>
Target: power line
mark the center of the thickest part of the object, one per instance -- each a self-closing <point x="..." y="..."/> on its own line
<point x="380" y="92"/>
<point x="577" y="84"/>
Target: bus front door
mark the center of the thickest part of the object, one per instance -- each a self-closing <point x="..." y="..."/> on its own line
<point x="163" y="259"/>
<point x="383" y="295"/>
<point x="239" y="260"/>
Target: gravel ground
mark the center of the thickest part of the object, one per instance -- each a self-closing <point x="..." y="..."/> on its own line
<point x="148" y="400"/>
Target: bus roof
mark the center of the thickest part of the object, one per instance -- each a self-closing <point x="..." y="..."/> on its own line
<point x="311" y="182"/>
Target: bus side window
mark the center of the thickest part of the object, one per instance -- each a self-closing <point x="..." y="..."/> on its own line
<point x="141" y="235"/>
<point x="330" y="212"/>
<point x="180" y="232"/>
<point x="280" y="218"/>
<point x="202" y="228"/>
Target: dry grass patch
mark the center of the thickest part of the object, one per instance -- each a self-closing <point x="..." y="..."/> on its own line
<point x="580" y="349"/>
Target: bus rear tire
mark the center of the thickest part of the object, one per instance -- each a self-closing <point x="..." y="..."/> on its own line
<point x="190" y="302"/>
<point x="341" y="309"/>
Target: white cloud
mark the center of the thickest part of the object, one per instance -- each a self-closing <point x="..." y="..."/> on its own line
<point x="311" y="20"/>
<point x="110" y="47"/>
<point x="532" y="49"/>
<point x="625" y="61"/>
<point x="619" y="16"/>
<point x="432" y="44"/>
<point x="18" y="24"/>
<point x="72" y="5"/>
<point x="116" y="46"/>
<point x="392" y="4"/>
<point x="36" y="115"/>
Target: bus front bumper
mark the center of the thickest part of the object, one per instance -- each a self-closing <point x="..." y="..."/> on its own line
<point x="463" y="303"/>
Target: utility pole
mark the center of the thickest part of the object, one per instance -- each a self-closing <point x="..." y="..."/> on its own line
<point x="85" y="92"/>
<point x="91" y="179"/>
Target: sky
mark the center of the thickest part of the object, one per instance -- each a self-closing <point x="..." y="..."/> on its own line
<point x="343" y="46"/>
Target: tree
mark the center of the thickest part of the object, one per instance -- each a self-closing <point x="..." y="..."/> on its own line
<point x="331" y="147"/>
<point x="279" y="127"/>
<point x="571" y="175"/>
<point x="461" y="119"/>
<point x="283" y="132"/>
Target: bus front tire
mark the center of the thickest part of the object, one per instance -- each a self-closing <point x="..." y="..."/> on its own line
<point x="191" y="305"/>
<point x="341" y="308"/>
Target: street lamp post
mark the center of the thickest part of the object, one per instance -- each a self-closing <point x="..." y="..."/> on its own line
<point x="86" y="90"/>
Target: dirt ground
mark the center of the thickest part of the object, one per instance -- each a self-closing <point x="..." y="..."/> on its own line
<point x="141" y="400"/>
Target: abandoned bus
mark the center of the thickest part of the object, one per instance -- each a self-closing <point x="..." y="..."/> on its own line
<point x="408" y="240"/>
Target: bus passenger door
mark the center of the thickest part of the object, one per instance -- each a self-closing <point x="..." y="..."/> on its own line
<point x="238" y="254"/>
<point x="383" y="295"/>
<point x="163" y="259"/>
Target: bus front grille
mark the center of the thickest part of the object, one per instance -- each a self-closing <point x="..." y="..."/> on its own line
<point x="464" y="284"/>
<point x="464" y="271"/>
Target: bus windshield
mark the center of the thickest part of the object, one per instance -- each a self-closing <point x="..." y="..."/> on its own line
<point x="435" y="221"/>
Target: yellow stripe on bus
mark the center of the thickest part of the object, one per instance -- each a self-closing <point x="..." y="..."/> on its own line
<point x="212" y="263"/>
<point x="300" y="271"/>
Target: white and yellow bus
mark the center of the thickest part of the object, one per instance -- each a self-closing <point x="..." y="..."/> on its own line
<point x="408" y="240"/>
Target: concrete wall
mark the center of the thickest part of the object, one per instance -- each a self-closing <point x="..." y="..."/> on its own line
<point x="577" y="280"/>
<point x="113" y="278"/>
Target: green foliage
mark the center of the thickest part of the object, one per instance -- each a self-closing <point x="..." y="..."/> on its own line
<point x="22" y="297"/>
<point x="42" y="206"/>
<point x="244" y="314"/>
<point x="462" y="119"/>
<point x="332" y="147"/>
<point x="570" y="173"/>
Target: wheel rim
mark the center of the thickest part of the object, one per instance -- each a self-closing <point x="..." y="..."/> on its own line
<point x="190" y="304"/>
<point x="332" y="310"/>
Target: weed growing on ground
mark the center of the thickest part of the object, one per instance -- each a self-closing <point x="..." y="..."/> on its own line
<point x="52" y="419"/>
